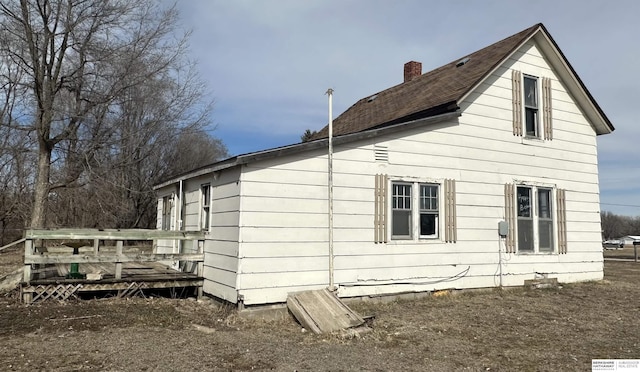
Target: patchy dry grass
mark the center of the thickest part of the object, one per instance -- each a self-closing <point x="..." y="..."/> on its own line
<point x="626" y="253"/>
<point x="558" y="329"/>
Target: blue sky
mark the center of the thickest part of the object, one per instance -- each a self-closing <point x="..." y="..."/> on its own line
<point x="268" y="63"/>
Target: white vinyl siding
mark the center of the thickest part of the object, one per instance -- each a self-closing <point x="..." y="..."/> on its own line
<point x="221" y="248"/>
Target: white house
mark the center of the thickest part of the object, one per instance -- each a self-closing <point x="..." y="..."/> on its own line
<point x="423" y="174"/>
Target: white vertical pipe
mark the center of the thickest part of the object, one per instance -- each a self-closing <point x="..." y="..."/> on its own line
<point x="330" y="171"/>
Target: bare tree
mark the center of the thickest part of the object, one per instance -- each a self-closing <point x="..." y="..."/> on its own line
<point x="16" y="161"/>
<point x="87" y="65"/>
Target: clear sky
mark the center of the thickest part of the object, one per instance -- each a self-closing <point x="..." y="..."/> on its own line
<point x="268" y="63"/>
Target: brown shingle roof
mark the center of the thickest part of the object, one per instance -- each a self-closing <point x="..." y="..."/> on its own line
<point x="435" y="92"/>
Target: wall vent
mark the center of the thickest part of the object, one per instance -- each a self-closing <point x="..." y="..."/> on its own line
<point x="381" y="153"/>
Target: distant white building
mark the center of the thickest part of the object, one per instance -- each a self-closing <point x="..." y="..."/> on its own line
<point x="628" y="240"/>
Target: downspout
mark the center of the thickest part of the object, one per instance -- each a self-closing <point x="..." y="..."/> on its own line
<point x="179" y="209"/>
<point x="330" y="171"/>
<point x="179" y="221"/>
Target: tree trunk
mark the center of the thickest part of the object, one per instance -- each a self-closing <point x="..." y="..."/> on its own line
<point x="41" y="188"/>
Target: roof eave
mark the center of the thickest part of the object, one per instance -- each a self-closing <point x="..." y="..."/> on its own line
<point x="305" y="146"/>
<point x="347" y="138"/>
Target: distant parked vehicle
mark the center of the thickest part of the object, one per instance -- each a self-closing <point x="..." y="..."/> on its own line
<point x="614" y="243"/>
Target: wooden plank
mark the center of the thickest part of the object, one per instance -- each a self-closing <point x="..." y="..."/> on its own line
<point x="118" y="273"/>
<point x="79" y="258"/>
<point x="12" y="244"/>
<point x="200" y="267"/>
<point x="28" y="250"/>
<point x="321" y="311"/>
<point x="112" y="234"/>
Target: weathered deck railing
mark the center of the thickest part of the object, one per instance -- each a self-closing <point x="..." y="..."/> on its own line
<point x="31" y="257"/>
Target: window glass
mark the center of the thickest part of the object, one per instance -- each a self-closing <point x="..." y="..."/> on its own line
<point x="546" y="235"/>
<point x="545" y="220"/>
<point x="530" y="92"/>
<point x="205" y="191"/>
<point x="401" y="211"/>
<point x="525" y="222"/>
<point x="166" y="213"/>
<point x="544" y="203"/>
<point x="205" y="195"/>
<point x="531" y="122"/>
<point x="429" y="197"/>
<point x="531" y="106"/>
<point x="401" y="196"/>
<point x="525" y="235"/>
<point x="524" y="201"/>
<point x="401" y="226"/>
<point x="428" y="210"/>
<point x="428" y="224"/>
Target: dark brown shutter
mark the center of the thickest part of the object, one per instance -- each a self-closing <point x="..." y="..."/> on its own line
<point x="380" y="213"/>
<point x="510" y="216"/>
<point x="516" y="91"/>
<point x="450" y="228"/>
<point x="546" y="115"/>
<point x="562" y="220"/>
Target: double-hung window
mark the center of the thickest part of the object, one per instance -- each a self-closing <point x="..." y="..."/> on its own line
<point x="535" y="219"/>
<point x="401" y="211"/>
<point x="532" y="127"/>
<point x="532" y="101"/>
<point x="428" y="211"/>
<point x="166" y="212"/>
<point x="409" y="221"/>
<point x="205" y="194"/>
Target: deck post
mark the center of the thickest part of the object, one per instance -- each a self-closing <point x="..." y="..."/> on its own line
<point x="118" y="273"/>
<point x="26" y="271"/>
<point x="96" y="242"/>
<point x="200" y="266"/>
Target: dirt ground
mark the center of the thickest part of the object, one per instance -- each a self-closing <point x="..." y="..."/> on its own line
<point x="560" y="329"/>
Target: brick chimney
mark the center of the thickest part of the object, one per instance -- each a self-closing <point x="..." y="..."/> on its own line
<point x="412" y="70"/>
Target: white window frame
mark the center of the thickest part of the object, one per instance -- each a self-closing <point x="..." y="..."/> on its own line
<point x="416" y="209"/>
<point x="537" y="218"/>
<point x="167" y="204"/>
<point x="537" y="130"/>
<point x="205" y="206"/>
<point x="401" y="203"/>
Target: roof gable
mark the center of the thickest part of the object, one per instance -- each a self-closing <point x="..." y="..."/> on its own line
<point x="441" y="90"/>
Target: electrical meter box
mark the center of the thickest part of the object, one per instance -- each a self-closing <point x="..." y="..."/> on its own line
<point x="503" y="229"/>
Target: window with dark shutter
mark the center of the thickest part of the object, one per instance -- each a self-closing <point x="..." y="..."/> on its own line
<point x="533" y="215"/>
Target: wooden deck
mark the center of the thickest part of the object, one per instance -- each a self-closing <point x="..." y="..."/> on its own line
<point x="105" y="272"/>
<point x="138" y="278"/>
<point x="122" y="270"/>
